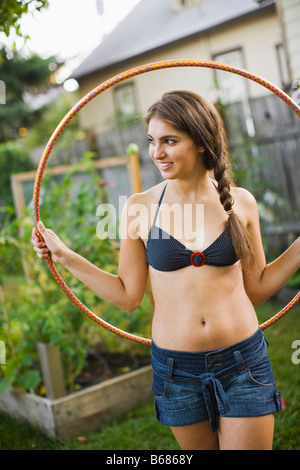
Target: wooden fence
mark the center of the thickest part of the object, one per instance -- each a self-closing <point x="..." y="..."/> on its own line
<point x="264" y="137"/>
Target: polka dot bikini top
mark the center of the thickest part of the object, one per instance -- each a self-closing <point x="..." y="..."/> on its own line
<point x="166" y="253"/>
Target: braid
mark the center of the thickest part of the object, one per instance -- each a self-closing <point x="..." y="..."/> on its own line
<point x="239" y="235"/>
<point x="226" y="198"/>
<point x="216" y="159"/>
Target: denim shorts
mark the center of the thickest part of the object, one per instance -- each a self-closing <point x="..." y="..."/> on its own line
<point x="190" y="387"/>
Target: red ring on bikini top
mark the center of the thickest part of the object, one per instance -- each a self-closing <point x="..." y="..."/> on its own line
<point x="198" y="253"/>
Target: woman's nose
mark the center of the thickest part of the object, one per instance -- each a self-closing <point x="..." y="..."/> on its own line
<point x="158" y="151"/>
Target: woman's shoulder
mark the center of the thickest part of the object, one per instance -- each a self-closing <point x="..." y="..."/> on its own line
<point x="245" y="205"/>
<point x="149" y="196"/>
<point x="243" y="196"/>
<point x="138" y="209"/>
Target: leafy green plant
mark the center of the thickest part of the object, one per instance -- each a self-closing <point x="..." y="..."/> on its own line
<point x="39" y="311"/>
<point x="23" y="77"/>
<point x="295" y="280"/>
<point x="13" y="159"/>
<point x="11" y="12"/>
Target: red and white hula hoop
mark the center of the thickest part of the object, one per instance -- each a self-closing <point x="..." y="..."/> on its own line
<point x="85" y="100"/>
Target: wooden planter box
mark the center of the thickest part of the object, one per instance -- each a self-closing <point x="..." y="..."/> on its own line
<point x="85" y="410"/>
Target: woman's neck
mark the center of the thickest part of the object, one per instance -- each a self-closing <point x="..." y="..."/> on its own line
<point x="192" y="189"/>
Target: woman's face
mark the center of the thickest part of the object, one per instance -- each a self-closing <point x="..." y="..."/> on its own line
<point x="173" y="151"/>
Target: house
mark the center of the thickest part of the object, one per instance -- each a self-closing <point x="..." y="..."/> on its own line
<point x="244" y="33"/>
<point x="289" y="18"/>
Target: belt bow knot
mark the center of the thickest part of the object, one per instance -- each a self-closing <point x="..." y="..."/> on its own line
<point x="215" y="398"/>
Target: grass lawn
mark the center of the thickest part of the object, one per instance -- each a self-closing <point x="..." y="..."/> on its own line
<point x="287" y="374"/>
<point x="138" y="430"/>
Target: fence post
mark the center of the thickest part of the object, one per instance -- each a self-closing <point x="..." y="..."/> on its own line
<point x="52" y="370"/>
<point x="134" y="173"/>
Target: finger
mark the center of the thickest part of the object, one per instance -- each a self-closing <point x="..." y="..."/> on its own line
<point x="37" y="241"/>
<point x="34" y="234"/>
<point x="44" y="232"/>
<point x="43" y="256"/>
<point x="39" y="244"/>
<point x="41" y="250"/>
<point x="41" y="231"/>
<point x="41" y="227"/>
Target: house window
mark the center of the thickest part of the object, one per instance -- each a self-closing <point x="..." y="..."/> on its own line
<point x="282" y="64"/>
<point x="125" y="100"/>
<point x="232" y="87"/>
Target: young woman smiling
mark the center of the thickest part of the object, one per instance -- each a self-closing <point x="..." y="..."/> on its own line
<point x="212" y="379"/>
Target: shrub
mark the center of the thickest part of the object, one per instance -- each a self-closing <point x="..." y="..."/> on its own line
<point x="40" y="311"/>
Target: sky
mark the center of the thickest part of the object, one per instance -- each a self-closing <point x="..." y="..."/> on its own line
<point x="71" y="29"/>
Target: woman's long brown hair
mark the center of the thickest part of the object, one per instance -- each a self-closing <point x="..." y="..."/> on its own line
<point x="191" y="113"/>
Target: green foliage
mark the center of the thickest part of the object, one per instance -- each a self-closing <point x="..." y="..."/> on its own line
<point x="39" y="134"/>
<point x="10" y="260"/>
<point x="37" y="310"/>
<point x="280" y="338"/>
<point x="295" y="280"/>
<point x="14" y="154"/>
<point x="12" y="10"/>
<point x="13" y="159"/>
<point x="21" y="75"/>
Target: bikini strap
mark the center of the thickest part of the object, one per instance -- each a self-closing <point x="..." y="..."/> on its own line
<point x="159" y="203"/>
<point x="213" y="182"/>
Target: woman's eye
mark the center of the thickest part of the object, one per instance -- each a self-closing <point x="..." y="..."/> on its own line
<point x="167" y="141"/>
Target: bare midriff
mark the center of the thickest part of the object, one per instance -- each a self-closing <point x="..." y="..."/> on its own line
<point x="201" y="308"/>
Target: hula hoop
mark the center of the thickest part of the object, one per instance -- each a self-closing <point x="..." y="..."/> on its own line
<point x="85" y="100"/>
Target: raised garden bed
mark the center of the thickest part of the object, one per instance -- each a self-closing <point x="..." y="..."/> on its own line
<point x="110" y="396"/>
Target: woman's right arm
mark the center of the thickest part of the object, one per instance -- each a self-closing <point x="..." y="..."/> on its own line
<point x="127" y="288"/>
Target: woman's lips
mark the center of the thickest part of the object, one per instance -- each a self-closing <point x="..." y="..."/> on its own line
<point x="164" y="166"/>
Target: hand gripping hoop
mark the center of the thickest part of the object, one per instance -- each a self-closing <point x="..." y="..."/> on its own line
<point x="85" y="100"/>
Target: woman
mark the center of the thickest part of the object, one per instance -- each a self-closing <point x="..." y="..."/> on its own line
<point x="213" y="384"/>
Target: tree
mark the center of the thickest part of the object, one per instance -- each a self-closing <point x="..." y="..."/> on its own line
<point x="22" y="76"/>
<point x="11" y="12"/>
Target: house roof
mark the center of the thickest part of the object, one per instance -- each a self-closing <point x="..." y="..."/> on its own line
<point x="153" y="24"/>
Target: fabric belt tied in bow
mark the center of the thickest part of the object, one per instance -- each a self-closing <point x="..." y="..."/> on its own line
<point x="215" y="398"/>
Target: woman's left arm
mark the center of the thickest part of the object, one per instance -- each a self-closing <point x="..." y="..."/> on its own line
<point x="264" y="280"/>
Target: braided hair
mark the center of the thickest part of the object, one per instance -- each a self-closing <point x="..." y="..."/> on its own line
<point x="189" y="112"/>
